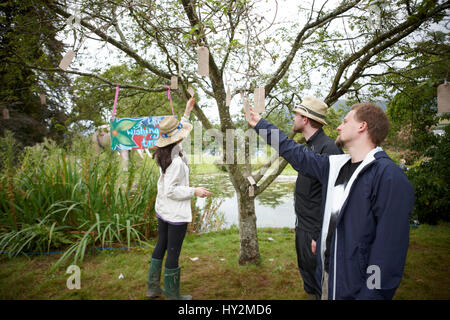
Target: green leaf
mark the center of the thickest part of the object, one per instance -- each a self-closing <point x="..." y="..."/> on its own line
<point x="125" y="140"/>
<point x="126" y="124"/>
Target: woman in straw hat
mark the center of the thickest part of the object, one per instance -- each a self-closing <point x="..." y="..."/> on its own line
<point x="173" y="205"/>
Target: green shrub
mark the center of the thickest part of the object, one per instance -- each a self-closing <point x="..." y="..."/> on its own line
<point x="53" y="198"/>
<point x="431" y="180"/>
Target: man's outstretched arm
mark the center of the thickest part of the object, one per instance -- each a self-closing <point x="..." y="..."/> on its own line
<point x="303" y="160"/>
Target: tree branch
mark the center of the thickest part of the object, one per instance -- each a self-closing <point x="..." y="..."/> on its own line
<point x="123" y="47"/>
<point x="374" y="47"/>
<point x="284" y="66"/>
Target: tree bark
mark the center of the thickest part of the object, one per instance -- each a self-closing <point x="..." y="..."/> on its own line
<point x="248" y="234"/>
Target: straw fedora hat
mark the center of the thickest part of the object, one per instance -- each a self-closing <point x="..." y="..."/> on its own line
<point x="312" y="108"/>
<point x="172" y="131"/>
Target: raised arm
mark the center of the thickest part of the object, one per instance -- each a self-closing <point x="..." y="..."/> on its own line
<point x="303" y="160"/>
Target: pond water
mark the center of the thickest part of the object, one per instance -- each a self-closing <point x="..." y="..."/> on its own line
<point x="274" y="207"/>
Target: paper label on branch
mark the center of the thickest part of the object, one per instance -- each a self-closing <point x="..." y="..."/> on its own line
<point x="203" y="61"/>
<point x="134" y="133"/>
<point x="259" y="96"/>
<point x="43" y="98"/>
<point x="67" y="60"/>
<point x="5" y="114"/>
<point x="443" y="98"/>
<point x="174" y="82"/>
<point x="251" y="191"/>
<point x="251" y="180"/>
<point x="228" y="97"/>
<point x="246" y="109"/>
<point x="191" y="91"/>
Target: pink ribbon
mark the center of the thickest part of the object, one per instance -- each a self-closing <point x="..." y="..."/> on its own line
<point x="170" y="98"/>
<point x="115" y="101"/>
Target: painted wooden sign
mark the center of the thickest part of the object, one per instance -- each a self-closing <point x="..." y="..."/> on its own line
<point x="135" y="133"/>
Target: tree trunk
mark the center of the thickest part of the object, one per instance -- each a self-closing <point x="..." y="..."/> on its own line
<point x="249" y="249"/>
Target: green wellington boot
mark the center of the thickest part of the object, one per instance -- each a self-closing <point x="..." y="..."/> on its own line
<point x="172" y="285"/>
<point x="154" y="279"/>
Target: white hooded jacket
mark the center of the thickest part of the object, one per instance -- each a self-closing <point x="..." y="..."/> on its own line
<point x="173" y="201"/>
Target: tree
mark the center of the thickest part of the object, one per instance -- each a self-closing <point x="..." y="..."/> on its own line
<point x="413" y="109"/>
<point x="339" y="44"/>
<point x="28" y="33"/>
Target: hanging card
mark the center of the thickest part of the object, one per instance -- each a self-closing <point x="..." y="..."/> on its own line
<point x="259" y="96"/>
<point x="251" y="180"/>
<point x="203" y="61"/>
<point x="443" y="98"/>
<point x="5" y="113"/>
<point x="251" y="191"/>
<point x="228" y="97"/>
<point x="174" y="82"/>
<point x="67" y="60"/>
<point x="191" y="91"/>
<point x="43" y="98"/>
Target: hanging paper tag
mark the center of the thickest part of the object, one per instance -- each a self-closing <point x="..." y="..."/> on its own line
<point x="67" y="60"/>
<point x="174" y="83"/>
<point x="191" y="91"/>
<point x="43" y="99"/>
<point x="443" y="98"/>
<point x="203" y="61"/>
<point x="5" y="113"/>
<point x="251" y="191"/>
<point x="228" y="97"/>
<point x="246" y="109"/>
<point x="251" y="180"/>
<point x="259" y="96"/>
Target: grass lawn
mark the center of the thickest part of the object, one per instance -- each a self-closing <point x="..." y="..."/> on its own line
<point x="216" y="274"/>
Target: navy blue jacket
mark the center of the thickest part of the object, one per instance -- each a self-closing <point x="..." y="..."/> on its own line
<point x="372" y="230"/>
<point x="308" y="190"/>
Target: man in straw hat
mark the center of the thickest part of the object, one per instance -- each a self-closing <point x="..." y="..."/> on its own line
<point x="309" y="119"/>
<point x="173" y="205"/>
<point x="367" y="204"/>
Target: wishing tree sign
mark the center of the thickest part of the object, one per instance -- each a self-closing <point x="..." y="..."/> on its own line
<point x="134" y="133"/>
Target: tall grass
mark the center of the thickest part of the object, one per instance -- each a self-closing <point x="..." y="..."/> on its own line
<point x="73" y="199"/>
<point x="207" y="219"/>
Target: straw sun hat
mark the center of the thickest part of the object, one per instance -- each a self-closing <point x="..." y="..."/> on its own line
<point x="172" y="131"/>
<point x="312" y="108"/>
